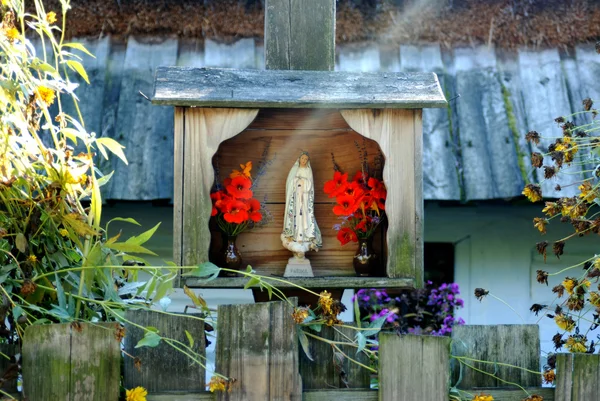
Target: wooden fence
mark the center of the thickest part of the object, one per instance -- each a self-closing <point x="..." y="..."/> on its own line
<point x="257" y="345"/>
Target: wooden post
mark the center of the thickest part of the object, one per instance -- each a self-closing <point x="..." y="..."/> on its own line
<point x="300" y="35"/>
<point x="71" y="363"/>
<point x="577" y="377"/>
<point x="322" y="373"/>
<point x="257" y="347"/>
<point x="413" y="367"/>
<point x="517" y="345"/>
<point x="162" y="367"/>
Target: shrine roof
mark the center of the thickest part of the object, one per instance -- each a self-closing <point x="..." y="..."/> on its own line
<point x="222" y="87"/>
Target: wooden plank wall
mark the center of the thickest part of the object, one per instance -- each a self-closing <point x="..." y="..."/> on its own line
<point x="578" y="377"/>
<point x="280" y="135"/>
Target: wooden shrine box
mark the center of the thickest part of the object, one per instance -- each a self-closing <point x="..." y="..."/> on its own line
<point x="242" y="115"/>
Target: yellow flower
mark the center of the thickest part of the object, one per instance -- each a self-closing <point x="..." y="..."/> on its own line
<point x="325" y="302"/>
<point x="595" y="299"/>
<point x="51" y="17"/>
<point x="569" y="284"/>
<point x="551" y="209"/>
<point x="576" y="344"/>
<point x="549" y="376"/>
<point x="483" y="397"/>
<point x="46" y="95"/>
<point x="300" y="314"/>
<point x="564" y="323"/>
<point x="136" y="394"/>
<point x="32" y="258"/>
<point x="12" y="33"/>
<point x="540" y="224"/>
<point x="63" y="232"/>
<point x="587" y="192"/>
<point x="217" y="384"/>
<point x="533" y="192"/>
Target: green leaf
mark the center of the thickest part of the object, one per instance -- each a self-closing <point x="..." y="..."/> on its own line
<point x="131" y="288"/>
<point x="151" y="339"/>
<point x="375" y="325"/>
<point x="21" y="242"/>
<point x="203" y="270"/>
<point x="96" y="202"/>
<point x="17" y="312"/>
<point x="251" y="282"/>
<point x="304" y="342"/>
<point x="162" y="289"/>
<point x="76" y="66"/>
<point x="198" y="301"/>
<point x="143" y="237"/>
<point x="115" y="147"/>
<point x="316" y="327"/>
<point x="62" y="299"/>
<point x="361" y="340"/>
<point x="129" y="248"/>
<point x="104" y="179"/>
<point x="80" y="47"/>
<point x="190" y="338"/>
<point x="248" y="269"/>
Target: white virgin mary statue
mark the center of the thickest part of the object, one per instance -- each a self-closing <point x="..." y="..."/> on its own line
<point x="300" y="230"/>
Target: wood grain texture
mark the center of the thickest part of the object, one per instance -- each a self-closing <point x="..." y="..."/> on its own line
<point x="307" y="282"/>
<point x="182" y="396"/>
<point x="564" y="377"/>
<point x="304" y="119"/>
<point x="277" y="35"/>
<point x="208" y="87"/>
<point x="62" y="363"/>
<point x="325" y="371"/>
<point x="163" y="368"/>
<point x="517" y="345"/>
<point x="205" y="129"/>
<point x="178" y="160"/>
<point x="260" y="352"/>
<point x="426" y="379"/>
<point x="283" y="148"/>
<point x="395" y="132"/>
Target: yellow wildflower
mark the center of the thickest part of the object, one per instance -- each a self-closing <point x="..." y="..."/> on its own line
<point x="300" y="314"/>
<point x="587" y="192"/>
<point x="595" y="299"/>
<point x="564" y="322"/>
<point x="32" y="258"/>
<point x="136" y="394"/>
<point x="217" y="384"/>
<point x="12" y="33"/>
<point x="551" y="209"/>
<point x="483" y="397"/>
<point x="533" y="192"/>
<point x="325" y="301"/>
<point x="63" y="232"/>
<point x="51" y="17"/>
<point x="540" y="224"/>
<point x="576" y="344"/>
<point x="46" y="95"/>
<point x="534" y="397"/>
<point x="569" y="284"/>
<point x="549" y="376"/>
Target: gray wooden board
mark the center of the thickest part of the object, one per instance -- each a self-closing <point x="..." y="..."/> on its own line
<point x="163" y="368"/>
<point x="321" y="372"/>
<point x="517" y="345"/>
<point x="311" y="282"/>
<point x="577" y="377"/>
<point x="257" y="346"/>
<point x="220" y="87"/>
<point x="413" y="367"/>
<point x="63" y="363"/>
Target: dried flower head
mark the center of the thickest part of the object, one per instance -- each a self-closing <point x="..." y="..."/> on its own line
<point x="28" y="287"/>
<point x="559" y="120"/>
<point x="549" y="172"/>
<point x="536" y="308"/>
<point x="534" y="397"/>
<point x="480" y="293"/>
<point x="218" y="383"/>
<point x="119" y="332"/>
<point x="325" y="302"/>
<point x="575" y="303"/>
<point x="533" y="192"/>
<point x="537" y="160"/>
<point x="551" y="361"/>
<point x="542" y="276"/>
<point x="483" y="397"/>
<point x="540" y="223"/>
<point x="576" y="343"/>
<point x="558" y="248"/>
<point x="558" y="341"/>
<point x="595" y="299"/>
<point x="564" y="322"/>
<point x="137" y="363"/>
<point x="587" y="104"/>
<point x="557" y="187"/>
<point x="533" y="136"/>
<point x="559" y="290"/>
<point x="551" y="209"/>
<point x="549" y="376"/>
<point x="300" y="314"/>
<point x="541" y="248"/>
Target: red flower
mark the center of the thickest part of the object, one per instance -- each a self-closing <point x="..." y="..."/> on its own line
<point x="354" y="190"/>
<point x="218" y="200"/>
<point x="240" y="188"/>
<point x="346" y="235"/>
<point x="235" y="211"/>
<point x="346" y="205"/>
<point x="359" y="178"/>
<point x="378" y="193"/>
<point x="362" y="226"/>
<point x="336" y="186"/>
<point x="254" y="210"/>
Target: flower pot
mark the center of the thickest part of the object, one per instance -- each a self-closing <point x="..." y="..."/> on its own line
<point x="365" y="260"/>
<point x="230" y="256"/>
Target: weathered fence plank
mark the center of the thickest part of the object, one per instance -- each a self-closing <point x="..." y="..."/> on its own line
<point x="8" y="368"/>
<point x="577" y="377"/>
<point x="322" y="373"/>
<point x="257" y="346"/>
<point x="162" y="367"/>
<point x="72" y="363"/>
<point x="517" y="345"/>
<point x="413" y="367"/>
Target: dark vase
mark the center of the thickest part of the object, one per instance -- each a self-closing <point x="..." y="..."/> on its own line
<point x="365" y="260"/>
<point x="230" y="256"/>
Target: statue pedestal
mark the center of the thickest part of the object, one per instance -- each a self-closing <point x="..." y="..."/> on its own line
<point x="298" y="268"/>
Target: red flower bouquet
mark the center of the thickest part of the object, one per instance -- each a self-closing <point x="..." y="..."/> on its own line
<point x="234" y="207"/>
<point x="360" y="203"/>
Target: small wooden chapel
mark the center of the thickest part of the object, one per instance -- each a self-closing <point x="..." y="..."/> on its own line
<point x="226" y="117"/>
